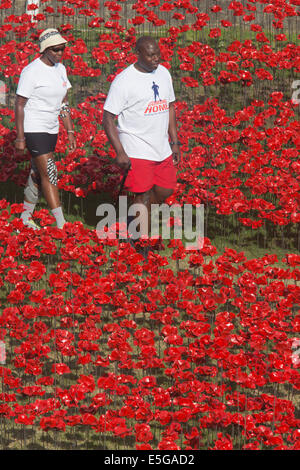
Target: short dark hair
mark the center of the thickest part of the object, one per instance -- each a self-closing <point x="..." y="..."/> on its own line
<point x="143" y="40"/>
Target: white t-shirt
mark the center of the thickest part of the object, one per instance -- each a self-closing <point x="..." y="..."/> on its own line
<point x="141" y="102"/>
<point x="45" y="87"/>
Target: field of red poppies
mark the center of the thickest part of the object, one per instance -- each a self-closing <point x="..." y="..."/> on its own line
<point x="188" y="349"/>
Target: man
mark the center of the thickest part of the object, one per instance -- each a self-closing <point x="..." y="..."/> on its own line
<point x="146" y="122"/>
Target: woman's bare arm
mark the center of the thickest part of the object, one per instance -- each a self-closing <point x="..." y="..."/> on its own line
<point x="19" y="120"/>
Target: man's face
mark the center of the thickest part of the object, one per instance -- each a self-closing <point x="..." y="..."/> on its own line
<point x="149" y="56"/>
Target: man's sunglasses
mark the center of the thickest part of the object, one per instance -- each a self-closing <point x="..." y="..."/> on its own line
<point x="58" y="49"/>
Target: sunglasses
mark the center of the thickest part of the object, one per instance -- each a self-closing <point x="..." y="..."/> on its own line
<point x="58" y="49"/>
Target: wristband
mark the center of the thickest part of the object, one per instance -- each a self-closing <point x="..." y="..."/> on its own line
<point x="175" y="143"/>
<point x="20" y="140"/>
<point x="71" y="132"/>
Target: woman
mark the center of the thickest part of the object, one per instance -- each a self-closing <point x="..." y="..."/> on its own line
<point x="41" y="98"/>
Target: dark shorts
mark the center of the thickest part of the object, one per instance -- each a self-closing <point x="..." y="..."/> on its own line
<point x="40" y="143"/>
<point x="144" y="174"/>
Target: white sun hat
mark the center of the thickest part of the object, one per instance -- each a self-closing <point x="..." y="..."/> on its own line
<point x="50" y="37"/>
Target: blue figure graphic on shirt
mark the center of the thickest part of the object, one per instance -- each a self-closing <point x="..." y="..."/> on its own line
<point x="155" y="91"/>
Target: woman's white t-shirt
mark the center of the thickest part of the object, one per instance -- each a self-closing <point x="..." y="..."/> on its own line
<point x="45" y="87"/>
<point x="141" y="102"/>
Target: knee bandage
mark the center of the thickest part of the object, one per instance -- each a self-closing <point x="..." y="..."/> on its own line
<point x="31" y="191"/>
<point x="64" y="110"/>
<point x="52" y="171"/>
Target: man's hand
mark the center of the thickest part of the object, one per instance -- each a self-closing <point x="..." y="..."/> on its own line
<point x="123" y="161"/>
<point x="72" y="141"/>
<point x="176" y="154"/>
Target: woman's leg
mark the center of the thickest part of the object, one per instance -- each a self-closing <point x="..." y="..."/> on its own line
<point x="46" y="168"/>
<point x="48" y="176"/>
<point x="31" y="197"/>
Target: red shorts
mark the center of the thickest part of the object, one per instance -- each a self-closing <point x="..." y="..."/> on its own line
<point x="144" y="174"/>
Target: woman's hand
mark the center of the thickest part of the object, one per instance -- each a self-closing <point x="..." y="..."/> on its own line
<point x="72" y="141"/>
<point x="20" y="145"/>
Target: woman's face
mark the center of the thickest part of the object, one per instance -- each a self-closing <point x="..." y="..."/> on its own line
<point x="55" y="53"/>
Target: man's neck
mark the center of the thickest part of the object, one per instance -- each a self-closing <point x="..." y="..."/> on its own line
<point x="141" y="68"/>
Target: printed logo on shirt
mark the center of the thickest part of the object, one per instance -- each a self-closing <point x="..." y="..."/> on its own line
<point x="64" y="81"/>
<point x="156" y="107"/>
<point x="155" y="88"/>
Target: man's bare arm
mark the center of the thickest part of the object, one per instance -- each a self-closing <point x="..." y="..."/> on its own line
<point x="111" y="131"/>
<point x="173" y="134"/>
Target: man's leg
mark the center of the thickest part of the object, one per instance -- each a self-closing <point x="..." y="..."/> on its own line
<point x="139" y="183"/>
<point x="159" y="194"/>
<point x="142" y="174"/>
<point x="156" y="195"/>
<point x="145" y="201"/>
<point x="164" y="184"/>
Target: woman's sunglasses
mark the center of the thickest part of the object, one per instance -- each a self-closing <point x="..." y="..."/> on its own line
<point x="58" y="49"/>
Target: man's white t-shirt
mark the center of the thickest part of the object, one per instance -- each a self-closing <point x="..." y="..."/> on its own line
<point x="45" y="87"/>
<point x="141" y="102"/>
